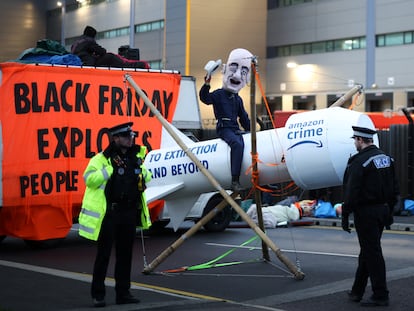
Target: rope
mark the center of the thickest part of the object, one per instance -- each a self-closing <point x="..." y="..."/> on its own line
<point x="259" y="83"/>
<point x="213" y="263"/>
<point x="255" y="160"/>
<point x="128" y="112"/>
<point x="255" y="174"/>
<point x="232" y="275"/>
<point x="355" y="101"/>
<point x="255" y="157"/>
<point x="143" y="249"/>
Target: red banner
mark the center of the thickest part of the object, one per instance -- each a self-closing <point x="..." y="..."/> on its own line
<point x="53" y="120"/>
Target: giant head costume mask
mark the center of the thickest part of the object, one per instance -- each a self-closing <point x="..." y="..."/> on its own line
<point x="236" y="73"/>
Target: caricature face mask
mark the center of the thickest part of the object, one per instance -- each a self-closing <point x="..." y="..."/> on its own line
<point x="236" y="73"/>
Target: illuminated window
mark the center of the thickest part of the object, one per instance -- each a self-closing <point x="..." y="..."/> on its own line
<point x="155" y="64"/>
<point x="408" y="37"/>
<point x="272" y="4"/>
<point x="124" y="31"/>
<point x="149" y="26"/>
<point x="347" y="44"/>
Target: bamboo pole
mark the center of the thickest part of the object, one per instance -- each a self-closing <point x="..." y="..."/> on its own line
<point x="341" y="100"/>
<point x="299" y="275"/>
<point x="257" y="193"/>
<point x="171" y="249"/>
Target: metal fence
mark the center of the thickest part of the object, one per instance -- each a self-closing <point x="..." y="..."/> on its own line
<point x="398" y="142"/>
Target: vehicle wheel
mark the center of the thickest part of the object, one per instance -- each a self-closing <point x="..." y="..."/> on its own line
<point x="158" y="226"/>
<point x="222" y="219"/>
<point x="44" y="244"/>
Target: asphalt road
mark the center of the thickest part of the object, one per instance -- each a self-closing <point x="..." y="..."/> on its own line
<point x="219" y="271"/>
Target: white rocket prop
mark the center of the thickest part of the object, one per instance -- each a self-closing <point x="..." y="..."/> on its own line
<point x="312" y="150"/>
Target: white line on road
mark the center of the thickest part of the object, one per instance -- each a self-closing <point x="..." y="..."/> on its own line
<point x="285" y="250"/>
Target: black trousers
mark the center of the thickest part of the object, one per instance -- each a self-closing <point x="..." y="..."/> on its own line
<point x="236" y="143"/>
<point x="369" y="225"/>
<point x="112" y="60"/>
<point x="118" y="228"/>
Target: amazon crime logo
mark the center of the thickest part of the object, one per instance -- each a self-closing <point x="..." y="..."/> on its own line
<point x="306" y="132"/>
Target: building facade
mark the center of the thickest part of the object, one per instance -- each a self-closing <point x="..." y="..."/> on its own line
<point x="179" y="35"/>
<point x="22" y="24"/>
<point x="331" y="45"/>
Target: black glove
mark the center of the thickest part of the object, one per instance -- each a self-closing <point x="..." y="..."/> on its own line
<point x="389" y="220"/>
<point x="110" y="150"/>
<point x="345" y="223"/>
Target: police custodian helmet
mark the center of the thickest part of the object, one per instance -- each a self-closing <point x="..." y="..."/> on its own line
<point x="363" y="132"/>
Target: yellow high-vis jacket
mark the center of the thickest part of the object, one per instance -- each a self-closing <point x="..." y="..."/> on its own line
<point x="94" y="204"/>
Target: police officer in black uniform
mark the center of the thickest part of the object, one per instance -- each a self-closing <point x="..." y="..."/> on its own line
<point x="122" y="213"/>
<point x="370" y="193"/>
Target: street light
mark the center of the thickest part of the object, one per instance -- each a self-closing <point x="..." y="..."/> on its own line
<point x="302" y="73"/>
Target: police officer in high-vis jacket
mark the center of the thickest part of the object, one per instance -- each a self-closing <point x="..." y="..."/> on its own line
<point x="113" y="206"/>
<point x="370" y="193"/>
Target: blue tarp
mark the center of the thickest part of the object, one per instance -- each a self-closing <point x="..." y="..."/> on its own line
<point x="48" y="52"/>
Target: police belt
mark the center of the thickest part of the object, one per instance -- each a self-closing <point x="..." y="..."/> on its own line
<point x="122" y="205"/>
<point x="226" y="122"/>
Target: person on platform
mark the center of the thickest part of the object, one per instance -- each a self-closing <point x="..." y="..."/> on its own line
<point x="370" y="192"/>
<point x="113" y="206"/>
<point x="92" y="54"/>
<point x="229" y="109"/>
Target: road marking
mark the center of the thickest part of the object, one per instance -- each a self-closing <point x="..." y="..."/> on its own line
<point x="284" y="250"/>
<point x="325" y="289"/>
<point x="399" y="228"/>
<point x="83" y="277"/>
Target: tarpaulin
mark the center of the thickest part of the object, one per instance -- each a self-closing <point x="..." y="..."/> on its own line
<point x="53" y="120"/>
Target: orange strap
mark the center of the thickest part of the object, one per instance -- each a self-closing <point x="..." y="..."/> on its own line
<point x="354" y="101"/>
<point x="255" y="157"/>
<point x="259" y="83"/>
<point x="297" y="204"/>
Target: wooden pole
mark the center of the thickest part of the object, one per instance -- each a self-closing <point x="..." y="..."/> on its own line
<point x="341" y="100"/>
<point x="171" y="249"/>
<point x="299" y="275"/>
<point x="255" y="174"/>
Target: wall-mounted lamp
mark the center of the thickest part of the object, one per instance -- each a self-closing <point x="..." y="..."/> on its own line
<point x="291" y="65"/>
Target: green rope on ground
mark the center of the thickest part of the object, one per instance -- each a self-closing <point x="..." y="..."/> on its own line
<point x="213" y="263"/>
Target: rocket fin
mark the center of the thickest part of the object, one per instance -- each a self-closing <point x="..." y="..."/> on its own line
<point x="167" y="141"/>
<point x="159" y="192"/>
<point x="178" y="209"/>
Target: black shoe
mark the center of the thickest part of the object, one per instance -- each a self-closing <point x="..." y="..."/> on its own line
<point x="354" y="297"/>
<point x="126" y="300"/>
<point x="375" y="302"/>
<point x="235" y="186"/>
<point x="99" y="303"/>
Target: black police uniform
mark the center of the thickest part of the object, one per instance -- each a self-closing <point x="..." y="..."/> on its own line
<point x="119" y="224"/>
<point x="370" y="192"/>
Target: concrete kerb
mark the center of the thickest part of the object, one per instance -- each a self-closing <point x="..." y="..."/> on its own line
<point x="336" y="222"/>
